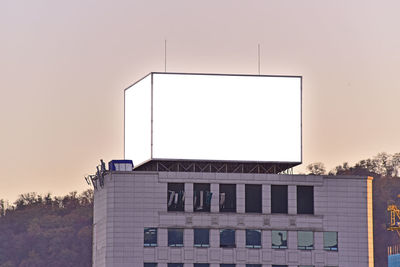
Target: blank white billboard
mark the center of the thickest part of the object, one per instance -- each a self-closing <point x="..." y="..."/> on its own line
<point x="213" y="117"/>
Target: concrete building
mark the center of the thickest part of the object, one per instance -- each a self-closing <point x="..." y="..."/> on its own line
<point x="174" y="219"/>
<point x="212" y="186"/>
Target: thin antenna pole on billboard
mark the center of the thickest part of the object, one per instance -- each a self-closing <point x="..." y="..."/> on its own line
<point x="259" y="72"/>
<point x="165" y="55"/>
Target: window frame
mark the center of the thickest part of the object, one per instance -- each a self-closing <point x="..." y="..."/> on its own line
<point x="221" y="231"/>
<point x="252" y="190"/>
<point x="279" y="246"/>
<point x="206" y="197"/>
<point x="306" y="247"/>
<point x="258" y="241"/>
<point x="170" y="230"/>
<point x="302" y="199"/>
<point x="156" y="237"/>
<point x="194" y="238"/>
<point x="172" y="190"/>
<point x="279" y="194"/>
<point x="330" y="248"/>
<point x="231" y="199"/>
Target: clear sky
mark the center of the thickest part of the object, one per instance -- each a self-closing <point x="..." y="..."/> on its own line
<point x="64" y="65"/>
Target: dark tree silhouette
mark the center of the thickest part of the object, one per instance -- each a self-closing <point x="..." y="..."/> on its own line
<point x="45" y="231"/>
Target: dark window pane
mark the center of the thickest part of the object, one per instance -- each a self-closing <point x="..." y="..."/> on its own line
<point x="175" y="264"/>
<point x="305" y="240"/>
<point x="175" y="237"/>
<point x="305" y="200"/>
<point x="150" y="237"/>
<point x="279" y="239"/>
<point x="202" y="197"/>
<point x="150" y="265"/>
<point x="279" y="199"/>
<point x="201" y="265"/>
<point x="227" y="238"/>
<point x="253" y="238"/>
<point x="201" y="237"/>
<point x="331" y="241"/>
<point x="253" y="198"/>
<point x="253" y="265"/>
<point x="227" y="198"/>
<point x="227" y="265"/>
<point x="176" y="197"/>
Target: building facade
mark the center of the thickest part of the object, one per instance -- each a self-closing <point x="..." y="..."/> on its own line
<point x="216" y="219"/>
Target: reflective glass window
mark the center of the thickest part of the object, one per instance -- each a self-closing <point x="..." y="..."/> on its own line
<point x="227" y="238"/>
<point x="201" y="237"/>
<point x="279" y="239"/>
<point x="175" y="237"/>
<point x="305" y="240"/>
<point x="150" y="237"/>
<point x="331" y="241"/>
<point x="253" y="238"/>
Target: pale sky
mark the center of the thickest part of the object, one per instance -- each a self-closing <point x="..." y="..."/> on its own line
<point x="64" y="65"/>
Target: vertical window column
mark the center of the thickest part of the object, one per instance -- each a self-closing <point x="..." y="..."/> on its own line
<point x="266" y="198"/>
<point x="215" y="198"/>
<point x="240" y="198"/>
<point x="292" y="203"/>
<point x="188" y="197"/>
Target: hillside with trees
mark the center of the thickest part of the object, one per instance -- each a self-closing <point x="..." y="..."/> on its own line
<point x="38" y="231"/>
<point x="42" y="230"/>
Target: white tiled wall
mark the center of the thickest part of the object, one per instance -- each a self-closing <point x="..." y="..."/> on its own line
<point x="131" y="201"/>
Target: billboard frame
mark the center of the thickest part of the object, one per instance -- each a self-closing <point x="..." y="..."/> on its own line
<point x="211" y="160"/>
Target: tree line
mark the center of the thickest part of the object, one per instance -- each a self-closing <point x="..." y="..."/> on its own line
<point x="42" y="230"/>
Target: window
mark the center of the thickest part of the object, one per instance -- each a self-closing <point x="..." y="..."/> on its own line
<point x="227" y="238"/>
<point x="201" y="265"/>
<point x="274" y="265"/>
<point x="253" y="238"/>
<point x="175" y="264"/>
<point x="331" y="241"/>
<point x="253" y="198"/>
<point x="150" y="265"/>
<point x="305" y="240"/>
<point x="150" y="237"/>
<point x="226" y="265"/>
<point x="305" y="200"/>
<point x="202" y="197"/>
<point x="279" y="199"/>
<point x="253" y="265"/>
<point x="175" y="237"/>
<point x="176" y="197"/>
<point x="306" y="265"/>
<point x="227" y="198"/>
<point x="201" y="237"/>
<point x="279" y="239"/>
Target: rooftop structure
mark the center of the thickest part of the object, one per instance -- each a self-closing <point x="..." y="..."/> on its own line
<point x="238" y="121"/>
